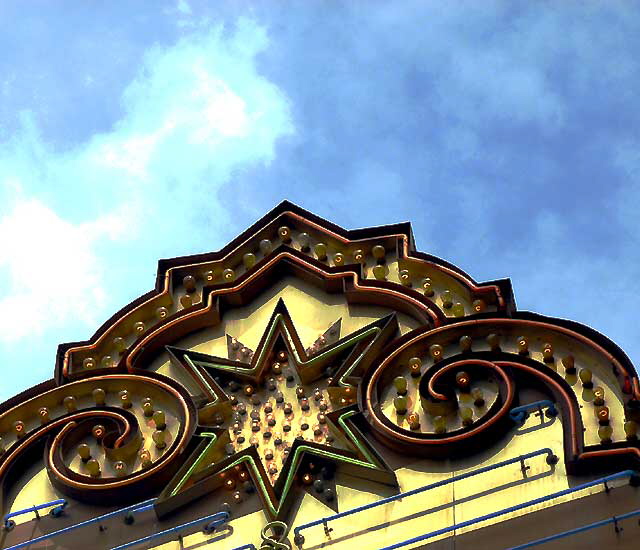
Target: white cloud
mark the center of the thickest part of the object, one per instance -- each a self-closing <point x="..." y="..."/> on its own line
<point x="196" y="111"/>
<point x="52" y="271"/>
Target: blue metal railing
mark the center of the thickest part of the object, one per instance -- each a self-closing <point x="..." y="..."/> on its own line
<point x="619" y="475"/>
<point x="59" y="506"/>
<point x="571" y="532"/>
<point x="214" y="520"/>
<point x="140" y="507"/>
<point x="520" y="414"/>
<point x="299" y="539"/>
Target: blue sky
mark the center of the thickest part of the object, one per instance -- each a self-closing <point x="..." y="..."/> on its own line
<point x="507" y="132"/>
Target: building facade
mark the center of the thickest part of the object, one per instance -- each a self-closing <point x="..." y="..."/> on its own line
<point x="312" y="387"/>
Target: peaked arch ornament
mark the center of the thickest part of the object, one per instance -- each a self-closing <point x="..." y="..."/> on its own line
<point x="420" y="361"/>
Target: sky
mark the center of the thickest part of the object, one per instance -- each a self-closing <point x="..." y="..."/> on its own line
<point x="506" y="132"/>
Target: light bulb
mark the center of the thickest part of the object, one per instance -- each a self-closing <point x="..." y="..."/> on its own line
<point x="379" y="272"/>
<point x="84" y="452"/>
<point x="440" y="424"/>
<point x="93" y="467"/>
<point x="147" y="406"/>
<point x="99" y="396"/>
<point x="19" y="429"/>
<point x="120" y="344"/>
<point x="415" y="364"/>
<point x="303" y="240"/>
<point x="186" y="301"/>
<point x="414" y="421"/>
<point x="586" y="377"/>
<point x="98" y="431"/>
<point x="162" y="312"/>
<point x="145" y="459"/>
<point x="89" y="363"/>
<point x="378" y="252"/>
<point x="569" y="364"/>
<point x="458" y="309"/>
<point x="405" y="277"/>
<point x="189" y="283"/>
<point x="69" y="403"/>
<point x="400" y="404"/>
<point x="265" y="246"/>
<point x="285" y="234"/>
<point x="159" y="439"/>
<point x="494" y="341"/>
<point x="605" y="433"/>
<point x="523" y="345"/>
<point x="427" y="286"/>
<point x="338" y="259"/>
<point x="463" y="381"/>
<point x="159" y="419"/>
<point x="139" y="327"/>
<point x="400" y="382"/>
<point x="249" y="260"/>
<point x="43" y="413"/>
<point x="479" y="306"/>
<point x="465" y="343"/>
<point x="120" y="467"/>
<point x="466" y="414"/>
<point x="547" y="353"/>
<point x="125" y="399"/>
<point x="321" y="251"/>
<point x="436" y="351"/>
<point x="447" y="299"/>
<point x="598" y="396"/>
<point x="228" y="274"/>
<point x="603" y="415"/>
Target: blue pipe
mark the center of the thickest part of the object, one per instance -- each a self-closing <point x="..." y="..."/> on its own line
<point x="453" y="479"/>
<point x="140" y="507"/>
<point x="520" y="414"/>
<point x="246" y="547"/>
<point x="571" y="532"/>
<point x="625" y="473"/>
<point x="215" y="520"/>
<point x="59" y="504"/>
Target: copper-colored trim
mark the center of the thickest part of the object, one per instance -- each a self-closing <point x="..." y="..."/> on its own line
<point x="70" y="420"/>
<point x="138" y="346"/>
<point x="407" y="254"/>
<point x="466" y="281"/>
<point x="495" y="321"/>
<point x="178" y="445"/>
<point x="400" y="433"/>
<point x="610" y="452"/>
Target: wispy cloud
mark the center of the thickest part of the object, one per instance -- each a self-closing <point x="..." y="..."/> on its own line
<point x="196" y="112"/>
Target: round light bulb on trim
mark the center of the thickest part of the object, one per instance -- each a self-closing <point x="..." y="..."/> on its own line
<point x="284" y="233"/>
<point x="265" y="246"/>
<point x="321" y="251"/>
<point x="465" y="343"/>
<point x="189" y="283"/>
<point x="400" y="383"/>
<point x="249" y="260"/>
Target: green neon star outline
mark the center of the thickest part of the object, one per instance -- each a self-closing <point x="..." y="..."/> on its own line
<point x="364" y="456"/>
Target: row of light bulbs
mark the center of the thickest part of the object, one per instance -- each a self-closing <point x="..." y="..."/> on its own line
<point x="379" y="271"/>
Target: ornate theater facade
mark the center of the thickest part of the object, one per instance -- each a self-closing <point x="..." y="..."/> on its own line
<point x="312" y="387"/>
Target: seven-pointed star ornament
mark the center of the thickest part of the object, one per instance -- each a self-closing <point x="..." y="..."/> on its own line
<point x="282" y="417"/>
